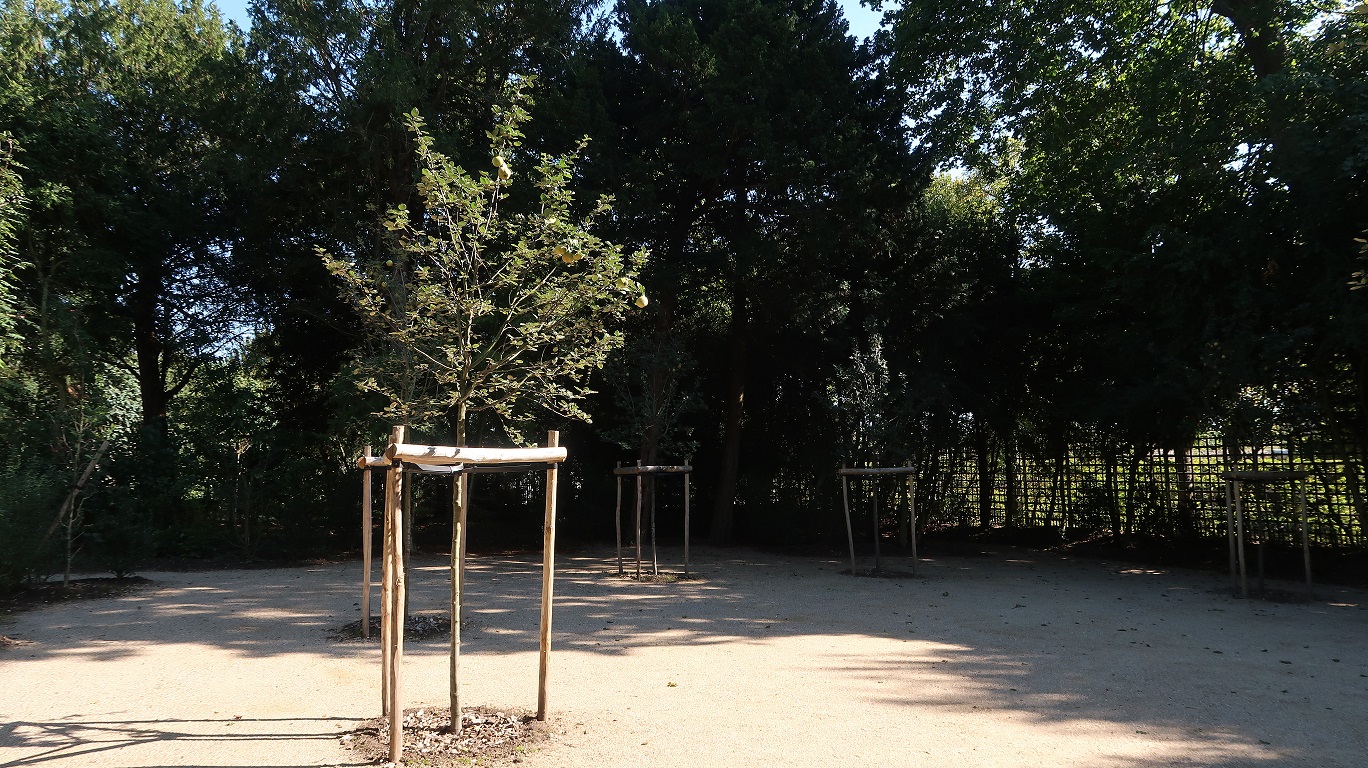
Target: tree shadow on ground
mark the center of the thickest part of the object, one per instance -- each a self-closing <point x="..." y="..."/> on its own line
<point x="1053" y="641"/>
<point x="76" y="739"/>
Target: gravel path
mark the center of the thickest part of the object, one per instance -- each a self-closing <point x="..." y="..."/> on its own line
<point x="766" y="660"/>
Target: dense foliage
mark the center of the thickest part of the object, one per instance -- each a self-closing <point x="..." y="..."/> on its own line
<point x="993" y="238"/>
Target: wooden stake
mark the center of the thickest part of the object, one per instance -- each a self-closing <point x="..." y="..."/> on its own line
<point x="850" y="536"/>
<point x="912" y="505"/>
<point x="460" y="499"/>
<point x="655" y="561"/>
<point x="617" y="528"/>
<point x="407" y="526"/>
<point x="638" y="524"/>
<point x="395" y="502"/>
<point x="1239" y="542"/>
<point x="1230" y="532"/>
<point x="904" y="519"/>
<point x="465" y="527"/>
<point x="548" y="577"/>
<point x="877" y="567"/>
<point x="366" y="531"/>
<point x="686" y="523"/>
<point x="386" y="599"/>
<point x="1306" y="537"/>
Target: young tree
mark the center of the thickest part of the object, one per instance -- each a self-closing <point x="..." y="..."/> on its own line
<point x="479" y="310"/>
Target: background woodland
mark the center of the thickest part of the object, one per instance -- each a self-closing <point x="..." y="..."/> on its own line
<point x="1071" y="258"/>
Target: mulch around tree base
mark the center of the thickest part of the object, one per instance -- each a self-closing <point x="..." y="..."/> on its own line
<point x="658" y="578"/>
<point x="488" y="737"/>
<point x="882" y="573"/>
<point x="417" y="627"/>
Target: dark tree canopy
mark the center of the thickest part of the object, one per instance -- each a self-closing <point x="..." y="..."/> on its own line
<point x="1063" y="255"/>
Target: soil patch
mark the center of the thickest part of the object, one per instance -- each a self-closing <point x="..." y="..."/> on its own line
<point x="417" y="627"/>
<point x="488" y="737"/>
<point x="38" y="595"/>
<point x="659" y="578"/>
<point x="882" y="573"/>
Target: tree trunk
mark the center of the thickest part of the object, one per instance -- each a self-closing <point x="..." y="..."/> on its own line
<point x="725" y="505"/>
<point x="657" y="395"/>
<point x="151" y="353"/>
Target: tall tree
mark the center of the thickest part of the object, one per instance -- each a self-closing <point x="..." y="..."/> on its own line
<point x="121" y="108"/>
<point x="740" y="126"/>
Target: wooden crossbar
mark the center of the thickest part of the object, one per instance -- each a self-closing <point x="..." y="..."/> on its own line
<point x="876" y="471"/>
<point x="648" y="470"/>
<point x="447" y="455"/>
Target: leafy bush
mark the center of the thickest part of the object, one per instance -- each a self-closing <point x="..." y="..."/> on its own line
<point x="27" y="508"/>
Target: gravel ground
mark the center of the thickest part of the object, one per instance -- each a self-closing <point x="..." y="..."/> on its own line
<point x="1012" y="659"/>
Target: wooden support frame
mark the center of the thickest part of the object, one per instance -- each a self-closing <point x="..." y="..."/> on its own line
<point x="910" y="471"/>
<point x="1235" y="521"/>
<point x="401" y="458"/>
<point x="367" y="532"/>
<point x="641" y="473"/>
<point x="394" y="589"/>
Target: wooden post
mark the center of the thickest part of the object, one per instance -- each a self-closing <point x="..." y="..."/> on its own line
<point x="875" y="484"/>
<point x="617" y="527"/>
<point x="386" y="599"/>
<point x="655" y="561"/>
<point x="850" y="537"/>
<point x="638" y="524"/>
<point x="366" y="526"/>
<point x="686" y="523"/>
<point x="1259" y="553"/>
<point x="1239" y="542"/>
<point x="1230" y="532"/>
<point x="407" y="527"/>
<point x="548" y="576"/>
<point x="1306" y="535"/>
<point x="460" y="497"/>
<point x="395" y="502"/>
<point x="912" y="512"/>
<point x="465" y="527"/>
<point x="904" y="520"/>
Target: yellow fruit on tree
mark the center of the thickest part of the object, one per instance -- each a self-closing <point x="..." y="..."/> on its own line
<point x="504" y="173"/>
<point x="498" y="161"/>
<point x="642" y="301"/>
